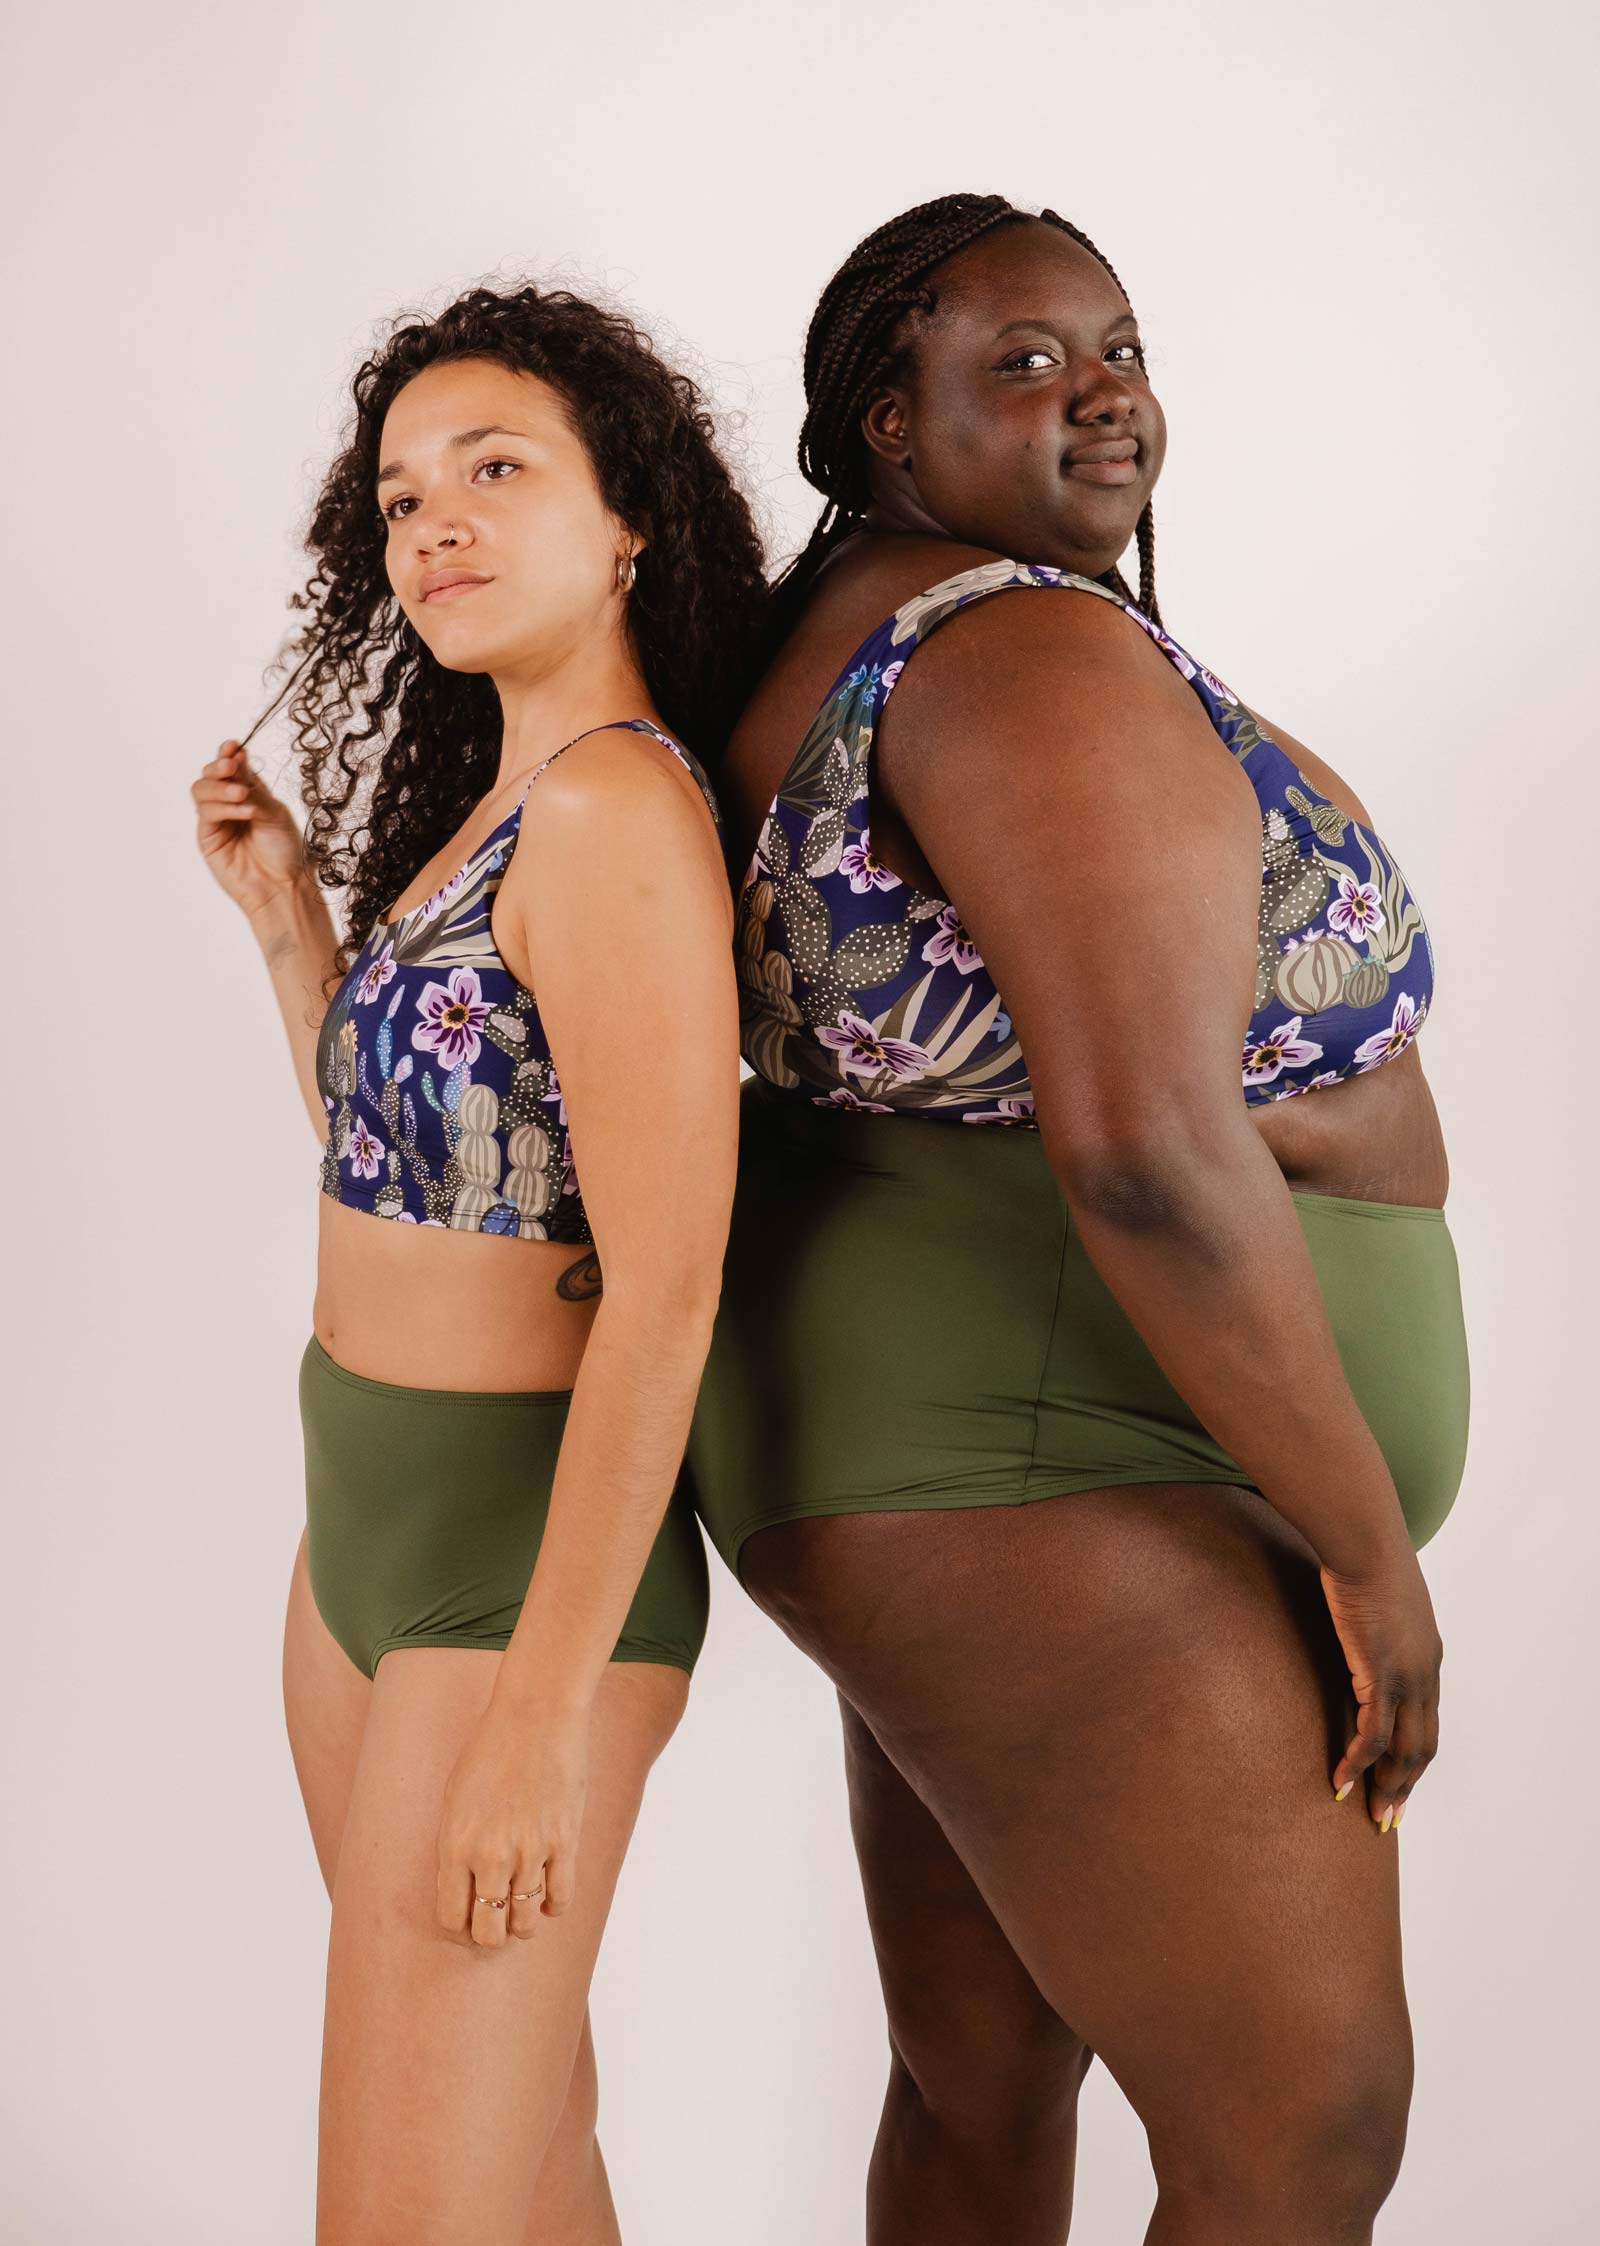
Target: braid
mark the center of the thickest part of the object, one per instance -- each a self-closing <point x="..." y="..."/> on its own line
<point x="858" y="341"/>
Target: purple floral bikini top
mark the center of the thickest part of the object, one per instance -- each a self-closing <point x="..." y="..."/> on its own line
<point x="442" y="1098"/>
<point x="861" y="992"/>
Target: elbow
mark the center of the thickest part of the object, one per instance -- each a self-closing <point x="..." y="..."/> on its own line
<point x="682" y="1303"/>
<point x="1167" y="1182"/>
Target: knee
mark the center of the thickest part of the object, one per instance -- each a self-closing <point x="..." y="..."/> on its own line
<point x="1322" y="2156"/>
<point x="1012" y="2093"/>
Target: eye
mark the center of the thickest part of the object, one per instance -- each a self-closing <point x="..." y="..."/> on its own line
<point x="1033" y="351"/>
<point x="1132" y="349"/>
<point x="512" y="464"/>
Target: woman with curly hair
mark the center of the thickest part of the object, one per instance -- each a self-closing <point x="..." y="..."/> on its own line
<point x="535" y="598"/>
<point x="1089" y="1253"/>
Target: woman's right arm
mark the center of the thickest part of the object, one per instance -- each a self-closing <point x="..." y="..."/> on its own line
<point x="253" y="847"/>
<point x="1069" y="792"/>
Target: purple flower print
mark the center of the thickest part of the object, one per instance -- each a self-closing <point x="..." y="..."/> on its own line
<point x="1210" y="680"/>
<point x="862" y="1052"/>
<point x="1384" y="1044"/>
<point x="1313" y="1084"/>
<point x="365" y="1151"/>
<point x="431" y="907"/>
<point x="890" y="675"/>
<point x="1004" y="1111"/>
<point x="862" y="868"/>
<point x="842" y="1096"/>
<point x="950" y="941"/>
<point x="452" y="1015"/>
<point x="1281" y="1048"/>
<point x="1358" y="910"/>
<point x="381" y="969"/>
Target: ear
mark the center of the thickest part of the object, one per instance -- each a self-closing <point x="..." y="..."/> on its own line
<point x="886" y="427"/>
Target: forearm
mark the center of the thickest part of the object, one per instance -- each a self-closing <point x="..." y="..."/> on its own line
<point x="298" y="941"/>
<point x="1207" y="1258"/>
<point x="620" y="1453"/>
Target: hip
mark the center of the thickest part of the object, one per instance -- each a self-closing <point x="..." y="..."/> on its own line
<point x="909" y="1320"/>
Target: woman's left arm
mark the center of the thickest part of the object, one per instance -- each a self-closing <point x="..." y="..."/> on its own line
<point x="623" y="909"/>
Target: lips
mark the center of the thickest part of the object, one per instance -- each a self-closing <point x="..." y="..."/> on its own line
<point x="447" y="583"/>
<point x="1113" y="461"/>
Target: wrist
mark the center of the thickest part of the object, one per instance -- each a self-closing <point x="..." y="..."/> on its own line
<point x="525" y="1693"/>
<point x="295" y="910"/>
<point x="1366" y="1558"/>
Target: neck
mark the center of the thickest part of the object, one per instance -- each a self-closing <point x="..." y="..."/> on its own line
<point x="546" y="700"/>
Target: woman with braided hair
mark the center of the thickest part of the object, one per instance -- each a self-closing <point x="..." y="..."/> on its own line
<point x="533" y="574"/>
<point x="1090" y="1362"/>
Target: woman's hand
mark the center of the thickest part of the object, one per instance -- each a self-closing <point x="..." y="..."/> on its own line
<point x="508" y="1837"/>
<point x="1391" y="1642"/>
<point x="247" y="837"/>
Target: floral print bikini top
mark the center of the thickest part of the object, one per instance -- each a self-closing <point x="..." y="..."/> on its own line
<point x="861" y="992"/>
<point x="442" y="1098"/>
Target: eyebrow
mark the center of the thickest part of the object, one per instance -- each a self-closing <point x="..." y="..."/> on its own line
<point x="467" y="437"/>
<point x="1123" y="317"/>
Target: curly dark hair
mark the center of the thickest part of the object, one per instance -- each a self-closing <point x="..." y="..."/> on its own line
<point x="372" y="709"/>
<point x="860" y="339"/>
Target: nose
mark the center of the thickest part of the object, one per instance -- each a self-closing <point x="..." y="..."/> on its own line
<point x="433" y="525"/>
<point x="1099" y="395"/>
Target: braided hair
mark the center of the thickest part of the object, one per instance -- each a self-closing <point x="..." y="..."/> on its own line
<point x="857" y="342"/>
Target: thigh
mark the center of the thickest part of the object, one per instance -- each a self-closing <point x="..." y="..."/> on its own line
<point x="445" y="2069"/>
<point x="967" y="2021"/>
<point x="1121" y="1706"/>
<point x="325" y="1701"/>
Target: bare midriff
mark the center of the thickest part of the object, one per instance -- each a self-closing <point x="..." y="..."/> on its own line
<point x="435" y="1308"/>
<point x="1375" y="1137"/>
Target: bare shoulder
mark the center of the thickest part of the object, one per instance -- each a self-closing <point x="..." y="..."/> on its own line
<point x="1048" y="665"/>
<point x="618" y="775"/>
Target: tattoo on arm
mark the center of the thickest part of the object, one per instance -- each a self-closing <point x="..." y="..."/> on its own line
<point x="580" y="1282"/>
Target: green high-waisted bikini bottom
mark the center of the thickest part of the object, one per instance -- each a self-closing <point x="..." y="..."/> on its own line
<point x="424" y="1511"/>
<point x="909" y="1322"/>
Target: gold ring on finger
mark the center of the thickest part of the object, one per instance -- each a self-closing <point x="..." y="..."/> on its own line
<point x="533" y="1895"/>
<point x="495" y="1902"/>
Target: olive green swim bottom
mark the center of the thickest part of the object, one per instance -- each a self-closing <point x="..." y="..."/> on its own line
<point x="909" y="1322"/>
<point x="424" y="1511"/>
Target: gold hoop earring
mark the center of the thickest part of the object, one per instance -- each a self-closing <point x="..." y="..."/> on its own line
<point x="626" y="573"/>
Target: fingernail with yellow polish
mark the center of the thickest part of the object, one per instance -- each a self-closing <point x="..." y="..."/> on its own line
<point x="1344" y="1789"/>
<point x="1400" y="1812"/>
<point x="1388" y="1819"/>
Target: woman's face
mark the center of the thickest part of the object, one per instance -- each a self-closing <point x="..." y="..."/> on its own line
<point x="1024" y="422"/>
<point x="501" y="550"/>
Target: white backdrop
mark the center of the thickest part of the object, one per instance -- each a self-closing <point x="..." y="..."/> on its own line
<point x="1356" y="240"/>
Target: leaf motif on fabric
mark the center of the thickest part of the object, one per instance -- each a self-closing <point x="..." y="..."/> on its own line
<point x="868" y="957"/>
<point x="960" y="1048"/>
<point x="807" y="930"/>
<point x="766" y="1053"/>
<point x="901" y="1019"/>
<point x="774" y="847"/>
<point x="823" y="846"/>
<point x="1240" y="732"/>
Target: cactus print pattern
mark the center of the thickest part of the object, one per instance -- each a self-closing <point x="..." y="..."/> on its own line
<point x="443" y="1103"/>
<point x="859" y="991"/>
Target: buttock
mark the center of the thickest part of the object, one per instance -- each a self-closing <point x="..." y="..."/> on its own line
<point x="424" y="1512"/>
<point x="909" y="1321"/>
